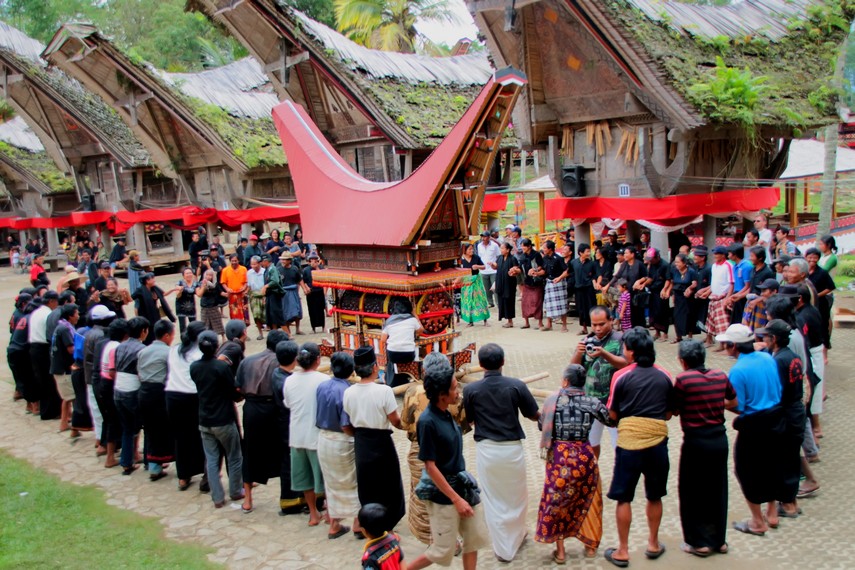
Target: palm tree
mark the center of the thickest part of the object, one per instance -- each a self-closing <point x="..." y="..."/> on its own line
<point x="389" y="25"/>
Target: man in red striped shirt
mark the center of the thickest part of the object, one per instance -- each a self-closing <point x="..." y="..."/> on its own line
<point x="700" y="396"/>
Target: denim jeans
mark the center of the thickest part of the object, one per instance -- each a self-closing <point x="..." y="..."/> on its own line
<point x="228" y="437"/>
<point x="128" y="406"/>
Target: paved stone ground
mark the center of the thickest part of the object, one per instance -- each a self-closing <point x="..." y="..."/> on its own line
<point x="821" y="539"/>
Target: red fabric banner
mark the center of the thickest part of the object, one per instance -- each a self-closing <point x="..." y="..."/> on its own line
<point x="663" y="209"/>
<point x="495" y="203"/>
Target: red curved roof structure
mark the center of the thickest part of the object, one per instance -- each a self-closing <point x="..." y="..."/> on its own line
<point x="339" y="206"/>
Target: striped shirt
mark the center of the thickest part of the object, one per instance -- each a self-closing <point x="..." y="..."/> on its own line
<point x="699" y="396"/>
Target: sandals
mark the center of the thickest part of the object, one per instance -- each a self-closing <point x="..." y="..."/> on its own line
<point x="784" y="514"/>
<point x="507" y="326"/>
<point x="745" y="527"/>
<point x="689" y="549"/>
<point x="343" y="530"/>
<point x="608" y="554"/>
<point x="654" y="554"/>
<point x="559" y="561"/>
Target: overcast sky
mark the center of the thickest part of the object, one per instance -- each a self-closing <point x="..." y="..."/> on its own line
<point x="442" y="32"/>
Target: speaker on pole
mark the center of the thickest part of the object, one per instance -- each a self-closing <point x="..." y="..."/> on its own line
<point x="572" y="181"/>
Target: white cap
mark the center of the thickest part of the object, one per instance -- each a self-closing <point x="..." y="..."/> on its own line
<point x="736" y="334"/>
<point x="509" y="227"/>
<point x="100" y="312"/>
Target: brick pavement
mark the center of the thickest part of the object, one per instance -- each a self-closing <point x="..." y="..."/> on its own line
<point x="821" y="539"/>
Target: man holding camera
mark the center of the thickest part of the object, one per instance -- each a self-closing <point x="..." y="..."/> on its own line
<point x="601" y="353"/>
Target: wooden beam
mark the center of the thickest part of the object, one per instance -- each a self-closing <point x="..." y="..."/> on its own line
<point x="791" y="201"/>
<point x="541" y="212"/>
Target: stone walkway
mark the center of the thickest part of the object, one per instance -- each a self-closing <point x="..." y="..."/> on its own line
<point x="821" y="539"/>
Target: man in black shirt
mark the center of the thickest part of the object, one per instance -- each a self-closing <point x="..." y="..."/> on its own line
<point x="701" y="301"/>
<point x="640" y="401"/>
<point x="493" y="405"/>
<point x="555" y="295"/>
<point x="794" y="384"/>
<point x="454" y="510"/>
<point x="119" y="253"/>
<point x="196" y="246"/>
<point x="100" y="282"/>
<point x="62" y="359"/>
<point x="217" y="420"/>
<point x="762" y="272"/>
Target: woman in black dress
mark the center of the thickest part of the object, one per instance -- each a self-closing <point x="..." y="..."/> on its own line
<point x="658" y="273"/>
<point x="150" y="301"/>
<point x="682" y="284"/>
<point x="633" y="270"/>
<point x="315" y="299"/>
<point x="507" y="269"/>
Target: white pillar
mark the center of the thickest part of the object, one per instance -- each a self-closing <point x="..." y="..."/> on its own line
<point x="583" y="235"/>
<point x="659" y="240"/>
<point x="177" y="241"/>
<point x="709" y="232"/>
<point x="245" y="230"/>
<point x="52" y="241"/>
<point x="136" y="239"/>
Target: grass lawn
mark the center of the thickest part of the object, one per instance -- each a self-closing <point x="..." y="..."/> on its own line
<point x="60" y="525"/>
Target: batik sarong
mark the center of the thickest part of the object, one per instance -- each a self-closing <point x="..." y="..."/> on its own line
<point x="571" y="505"/>
<point x="473" y="300"/>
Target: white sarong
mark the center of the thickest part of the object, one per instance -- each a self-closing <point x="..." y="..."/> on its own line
<point x="502" y="475"/>
<point x="818" y="362"/>
<point x="338" y="464"/>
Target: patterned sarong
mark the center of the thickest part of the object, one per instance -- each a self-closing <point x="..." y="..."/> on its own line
<point x="718" y="318"/>
<point x="754" y="317"/>
<point x="338" y="463"/>
<point x="571" y="505"/>
<point x="256" y="305"/>
<point x="237" y="306"/>
<point x="473" y="300"/>
<point x="555" y="300"/>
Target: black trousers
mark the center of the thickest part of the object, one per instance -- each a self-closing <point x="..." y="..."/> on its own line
<point x="50" y="403"/>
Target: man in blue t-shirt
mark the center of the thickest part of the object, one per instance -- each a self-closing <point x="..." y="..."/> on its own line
<point x="743" y="272"/>
<point x="761" y="425"/>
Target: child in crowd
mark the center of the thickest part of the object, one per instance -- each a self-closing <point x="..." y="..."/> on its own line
<point x="382" y="549"/>
<point x="16" y="256"/>
<point x="624" y="302"/>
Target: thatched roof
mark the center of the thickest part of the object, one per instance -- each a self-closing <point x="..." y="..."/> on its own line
<point x="23" y="157"/>
<point x="413" y="100"/>
<point x="220" y="107"/>
<point x="791" y="44"/>
<point x="664" y="55"/>
<point x="22" y="54"/>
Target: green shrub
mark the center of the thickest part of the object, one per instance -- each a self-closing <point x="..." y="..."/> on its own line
<point x="846" y="268"/>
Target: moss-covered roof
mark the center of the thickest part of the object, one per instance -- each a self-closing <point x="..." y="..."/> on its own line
<point x="423" y="95"/>
<point x="41" y="166"/>
<point x="781" y="81"/>
<point x="19" y="50"/>
<point x="245" y="127"/>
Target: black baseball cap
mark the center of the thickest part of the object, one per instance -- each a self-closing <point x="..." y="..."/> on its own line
<point x="769" y="284"/>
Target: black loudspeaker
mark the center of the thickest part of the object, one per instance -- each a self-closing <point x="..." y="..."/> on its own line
<point x="88" y="203"/>
<point x="572" y="181"/>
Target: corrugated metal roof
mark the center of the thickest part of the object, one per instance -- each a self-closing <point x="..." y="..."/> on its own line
<point x="18" y="42"/>
<point x="807" y="158"/>
<point x="239" y="87"/>
<point x="471" y="69"/>
<point x="743" y="18"/>
<point x="18" y="133"/>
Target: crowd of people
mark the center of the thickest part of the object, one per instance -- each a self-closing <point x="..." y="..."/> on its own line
<point x="156" y="395"/>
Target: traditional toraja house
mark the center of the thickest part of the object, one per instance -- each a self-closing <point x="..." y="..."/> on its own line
<point x="211" y="132"/>
<point x="387" y="239"/>
<point x="83" y="136"/>
<point x="384" y="112"/>
<point x="32" y="185"/>
<point x="646" y="104"/>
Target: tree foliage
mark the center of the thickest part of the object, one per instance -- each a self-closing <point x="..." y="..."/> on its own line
<point x="159" y="31"/>
<point x="389" y="24"/>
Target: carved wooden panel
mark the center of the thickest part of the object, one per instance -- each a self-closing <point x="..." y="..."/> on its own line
<point x="376" y="259"/>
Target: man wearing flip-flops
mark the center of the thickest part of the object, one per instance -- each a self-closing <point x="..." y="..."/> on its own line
<point x="640" y="401"/>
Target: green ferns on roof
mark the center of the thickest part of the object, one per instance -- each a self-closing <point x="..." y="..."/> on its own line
<point x="41" y="165"/>
<point x="254" y="141"/>
<point x="750" y="80"/>
<point x="427" y="111"/>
